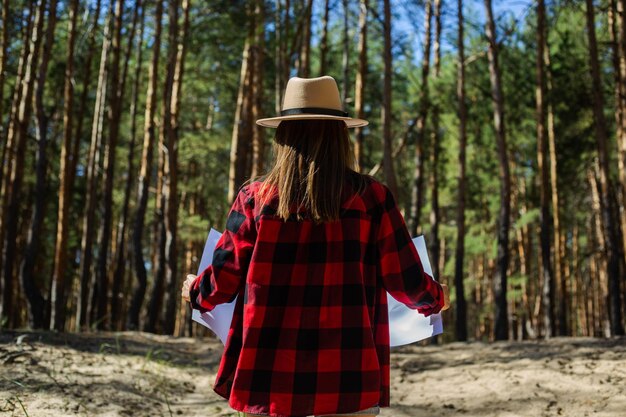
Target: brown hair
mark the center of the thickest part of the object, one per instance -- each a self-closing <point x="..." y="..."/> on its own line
<point x="313" y="169"/>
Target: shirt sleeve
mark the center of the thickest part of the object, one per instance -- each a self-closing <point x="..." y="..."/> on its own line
<point x="400" y="267"/>
<point x="221" y="281"/>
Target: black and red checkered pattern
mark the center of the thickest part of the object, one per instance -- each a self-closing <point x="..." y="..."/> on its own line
<point x="310" y="331"/>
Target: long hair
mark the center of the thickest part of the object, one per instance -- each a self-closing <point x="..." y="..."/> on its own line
<point x="314" y="169"/>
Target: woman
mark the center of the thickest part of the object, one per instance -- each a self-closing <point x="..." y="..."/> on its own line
<point x="311" y="251"/>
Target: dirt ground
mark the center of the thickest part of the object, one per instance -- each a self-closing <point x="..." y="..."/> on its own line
<point x="140" y="374"/>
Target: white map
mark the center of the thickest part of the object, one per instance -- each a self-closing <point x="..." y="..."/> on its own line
<point x="405" y="325"/>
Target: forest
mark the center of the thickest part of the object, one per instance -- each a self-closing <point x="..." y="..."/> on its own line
<point x="127" y="127"/>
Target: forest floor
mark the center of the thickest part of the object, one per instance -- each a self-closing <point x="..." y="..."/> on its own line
<point x="140" y="374"/>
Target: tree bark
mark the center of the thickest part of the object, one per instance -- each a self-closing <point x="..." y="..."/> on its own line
<point x="36" y="302"/>
<point x="304" y="69"/>
<point x="618" y="35"/>
<point x="239" y="146"/>
<point x="434" y="156"/>
<point x="279" y="57"/>
<point x="548" y="289"/>
<point x="461" y="305"/>
<point x="346" y="53"/>
<point x="417" y="191"/>
<point x="390" y="176"/>
<point x="17" y="137"/>
<point x="144" y="174"/>
<point x="171" y="190"/>
<point x="500" y="278"/>
<point x="559" y="248"/>
<point x="119" y="263"/>
<point x="361" y="77"/>
<point x="114" y="117"/>
<point x="87" y="278"/>
<point x="258" y="133"/>
<point x="57" y="301"/>
<point x="324" y="41"/>
<point x="4" y="45"/>
<point x="606" y="194"/>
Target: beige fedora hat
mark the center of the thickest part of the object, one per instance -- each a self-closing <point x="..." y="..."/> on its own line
<point x="312" y="98"/>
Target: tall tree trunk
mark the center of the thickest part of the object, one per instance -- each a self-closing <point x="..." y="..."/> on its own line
<point x="461" y="305"/>
<point x="361" y="77"/>
<point x="286" y="67"/>
<point x="87" y="278"/>
<point x="417" y="191"/>
<point x="607" y="198"/>
<point x="346" y="53"/>
<point x="119" y="263"/>
<point x="548" y="289"/>
<point x="57" y="301"/>
<point x="324" y="41"/>
<point x="434" y="156"/>
<point x="144" y="174"/>
<point x="500" y="278"/>
<point x="33" y="295"/>
<point x="279" y="57"/>
<point x="155" y="305"/>
<point x="304" y="70"/>
<point x="238" y="150"/>
<point x="17" y="135"/>
<point x="258" y="133"/>
<point x="114" y="117"/>
<point x="559" y="248"/>
<point x="171" y="190"/>
<point x="82" y="107"/>
<point x="618" y="37"/>
<point x="4" y="45"/>
<point x="390" y="176"/>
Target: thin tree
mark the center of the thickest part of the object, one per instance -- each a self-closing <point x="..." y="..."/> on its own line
<point x="258" y="133"/>
<point x="57" y="300"/>
<point x="114" y="117"/>
<point x="361" y="77"/>
<point x="618" y="38"/>
<point x="17" y="136"/>
<point x="461" y="305"/>
<point x="304" y="67"/>
<point x="559" y="247"/>
<point x="502" y="260"/>
<point x="238" y="150"/>
<point x="33" y="240"/>
<point x="417" y="191"/>
<point x="324" y="40"/>
<point x="87" y="278"/>
<point x="119" y="259"/>
<point x="145" y="173"/>
<point x="390" y="176"/>
<point x="4" y="45"/>
<point x="607" y="199"/>
<point x="346" y="52"/>
<point x="544" y="185"/>
<point x="434" y="155"/>
<point x="171" y="191"/>
<point x="279" y="52"/>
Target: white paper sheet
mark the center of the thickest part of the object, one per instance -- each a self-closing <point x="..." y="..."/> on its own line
<point x="220" y="317"/>
<point x="405" y="325"/>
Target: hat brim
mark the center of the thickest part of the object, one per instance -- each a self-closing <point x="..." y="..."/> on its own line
<point x="275" y="121"/>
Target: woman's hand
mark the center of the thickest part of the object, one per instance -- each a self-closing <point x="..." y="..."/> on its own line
<point x="446" y="297"/>
<point x="186" y="286"/>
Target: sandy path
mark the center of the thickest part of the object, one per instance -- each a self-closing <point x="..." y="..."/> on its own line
<point x="139" y="374"/>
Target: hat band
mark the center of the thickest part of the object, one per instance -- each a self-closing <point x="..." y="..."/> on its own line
<point x="314" y="110"/>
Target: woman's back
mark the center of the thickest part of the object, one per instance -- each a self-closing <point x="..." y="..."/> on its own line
<point x="310" y="332"/>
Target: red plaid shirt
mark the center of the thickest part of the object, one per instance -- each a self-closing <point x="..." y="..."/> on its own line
<point x="310" y="331"/>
